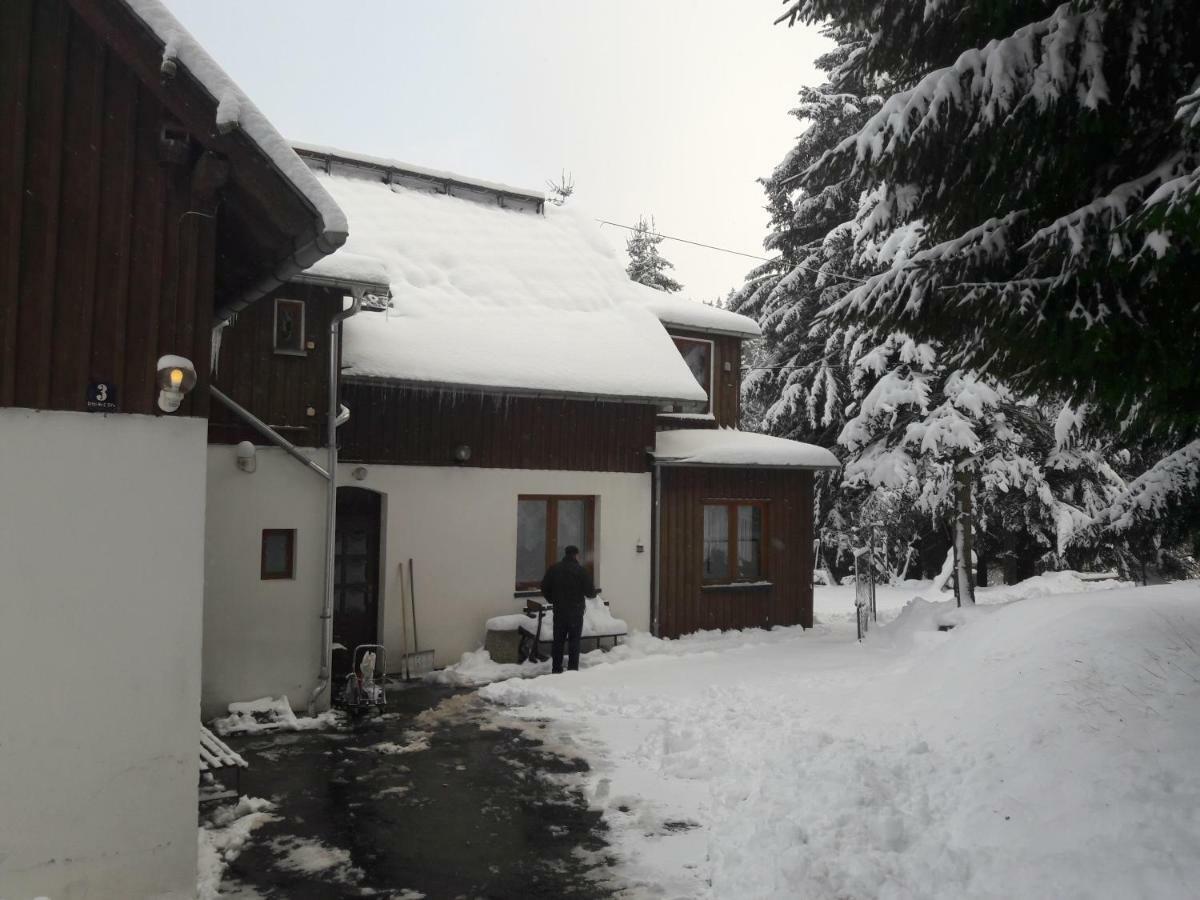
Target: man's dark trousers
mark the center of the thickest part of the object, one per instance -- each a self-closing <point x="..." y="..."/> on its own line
<point x="568" y="629"/>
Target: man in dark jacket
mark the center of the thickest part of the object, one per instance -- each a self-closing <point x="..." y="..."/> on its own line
<point x="565" y="586"/>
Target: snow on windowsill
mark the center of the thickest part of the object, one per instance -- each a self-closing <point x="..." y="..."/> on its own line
<point x="694" y="417"/>
<point x="738" y="586"/>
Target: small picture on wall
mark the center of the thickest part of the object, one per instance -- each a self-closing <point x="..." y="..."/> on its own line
<point x="289" y="326"/>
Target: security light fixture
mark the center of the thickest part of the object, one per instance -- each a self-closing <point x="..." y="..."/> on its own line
<point x="246" y="456"/>
<point x="176" y="376"/>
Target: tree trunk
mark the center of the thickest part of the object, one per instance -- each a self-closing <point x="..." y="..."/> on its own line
<point x="964" y="582"/>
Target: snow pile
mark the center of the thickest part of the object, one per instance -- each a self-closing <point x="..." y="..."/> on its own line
<point x="267" y="714"/>
<point x="1042" y="748"/>
<point x="597" y="619"/>
<point x="476" y="667"/>
<point x="530" y="302"/>
<point x="223" y="839"/>
<point x="730" y="447"/>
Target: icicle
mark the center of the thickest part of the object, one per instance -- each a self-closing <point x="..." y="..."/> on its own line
<point x="216" y="346"/>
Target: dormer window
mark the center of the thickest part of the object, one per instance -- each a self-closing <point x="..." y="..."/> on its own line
<point x="698" y="355"/>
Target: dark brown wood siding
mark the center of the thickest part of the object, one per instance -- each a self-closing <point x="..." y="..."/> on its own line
<point x="276" y="387"/>
<point x="101" y="270"/>
<point x="685" y="604"/>
<point x="406" y="426"/>
<point x="726" y="402"/>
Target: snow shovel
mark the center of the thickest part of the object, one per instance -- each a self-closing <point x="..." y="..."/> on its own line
<point x="419" y="663"/>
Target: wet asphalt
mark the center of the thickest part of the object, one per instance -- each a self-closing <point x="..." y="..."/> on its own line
<point x="434" y="799"/>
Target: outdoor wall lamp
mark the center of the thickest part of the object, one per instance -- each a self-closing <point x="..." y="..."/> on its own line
<point x="462" y="453"/>
<point x="176" y="376"/>
<point x="247" y="456"/>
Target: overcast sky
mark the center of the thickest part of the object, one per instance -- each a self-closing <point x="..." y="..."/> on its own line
<point x="667" y="107"/>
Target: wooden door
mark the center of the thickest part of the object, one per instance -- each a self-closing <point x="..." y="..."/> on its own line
<point x="356" y="573"/>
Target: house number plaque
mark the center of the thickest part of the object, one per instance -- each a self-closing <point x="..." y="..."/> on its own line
<point x="101" y="396"/>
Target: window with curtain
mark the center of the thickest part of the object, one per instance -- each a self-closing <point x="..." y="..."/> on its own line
<point x="547" y="525"/>
<point x="733" y="541"/>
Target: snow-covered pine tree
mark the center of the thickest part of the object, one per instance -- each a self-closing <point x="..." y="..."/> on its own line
<point x="800" y="374"/>
<point x="646" y="265"/>
<point x="1051" y="152"/>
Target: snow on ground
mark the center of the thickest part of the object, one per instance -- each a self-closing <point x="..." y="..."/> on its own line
<point x="1045" y="747"/>
<point x="223" y="838"/>
<point x="836" y="604"/>
<point x="308" y="857"/>
<point x="268" y="714"/>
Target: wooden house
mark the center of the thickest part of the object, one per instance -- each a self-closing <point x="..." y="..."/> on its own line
<point x="505" y="390"/>
<point x="143" y="198"/>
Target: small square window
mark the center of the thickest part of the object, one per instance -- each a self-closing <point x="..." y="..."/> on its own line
<point x="289" y="327"/>
<point x="278" y="553"/>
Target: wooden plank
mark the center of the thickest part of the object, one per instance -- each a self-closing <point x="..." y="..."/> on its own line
<point x="39" y="243"/>
<point x="146" y="263"/>
<point x="16" y="29"/>
<point x="115" y="227"/>
<point x="684" y="605"/>
<point x="75" y="290"/>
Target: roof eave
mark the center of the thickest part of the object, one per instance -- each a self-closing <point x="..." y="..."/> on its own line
<point x="501" y="390"/>
<point x="307" y="254"/>
<point x="348" y="284"/>
<point x="700" y="329"/>
<point x="677" y="463"/>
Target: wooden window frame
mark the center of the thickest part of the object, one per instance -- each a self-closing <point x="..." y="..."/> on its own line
<point x="731" y="508"/>
<point x="553" y="553"/>
<point x="301" y="350"/>
<point x="265" y="575"/>
<point x="708" y="388"/>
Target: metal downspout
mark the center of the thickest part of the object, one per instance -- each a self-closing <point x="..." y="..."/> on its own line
<point x="265" y="430"/>
<point x="656" y="563"/>
<point x="334" y="420"/>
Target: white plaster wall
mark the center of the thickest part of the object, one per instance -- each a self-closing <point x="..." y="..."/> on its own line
<point x="261" y="638"/>
<point x="459" y="525"/>
<point x="101" y="568"/>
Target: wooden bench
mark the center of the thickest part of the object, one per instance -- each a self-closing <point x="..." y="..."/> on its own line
<point x="530" y="646"/>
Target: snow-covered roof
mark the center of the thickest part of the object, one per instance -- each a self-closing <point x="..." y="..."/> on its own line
<point x="681" y="312"/>
<point x="488" y="296"/>
<point x="730" y="447"/>
<point x="348" y="269"/>
<point x="383" y="162"/>
<point x="236" y="111"/>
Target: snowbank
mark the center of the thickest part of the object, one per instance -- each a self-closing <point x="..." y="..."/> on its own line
<point x="1045" y="747"/>
<point x="835" y="603"/>
<point x="268" y="714"/>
